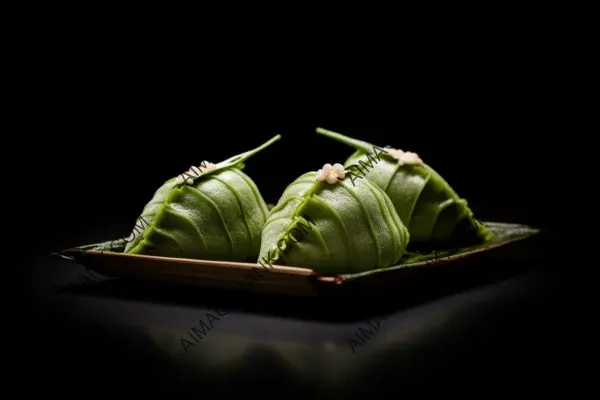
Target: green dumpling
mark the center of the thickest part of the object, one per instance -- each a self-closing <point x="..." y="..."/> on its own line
<point x="332" y="226"/>
<point x="425" y="202"/>
<point x="210" y="212"/>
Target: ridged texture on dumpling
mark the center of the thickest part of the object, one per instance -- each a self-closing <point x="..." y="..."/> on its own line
<point x="335" y="228"/>
<point x="213" y="212"/>
<point x="425" y="202"/>
<point x="220" y="217"/>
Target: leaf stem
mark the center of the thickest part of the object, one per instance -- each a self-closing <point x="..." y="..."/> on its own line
<point x="240" y="158"/>
<point x="357" y="144"/>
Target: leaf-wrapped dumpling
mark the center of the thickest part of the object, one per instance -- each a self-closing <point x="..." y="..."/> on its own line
<point x="210" y="212"/>
<point x="325" y="223"/>
<point x="425" y="202"/>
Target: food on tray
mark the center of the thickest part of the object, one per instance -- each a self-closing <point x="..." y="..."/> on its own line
<point x="213" y="211"/>
<point x="324" y="222"/>
<point x="425" y="202"/>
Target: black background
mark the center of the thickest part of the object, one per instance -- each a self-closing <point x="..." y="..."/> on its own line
<point x="106" y="127"/>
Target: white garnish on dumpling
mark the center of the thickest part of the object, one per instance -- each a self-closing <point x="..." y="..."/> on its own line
<point x="194" y="172"/>
<point x="208" y="166"/>
<point x="410" y="158"/>
<point x="331" y="174"/>
<point x="404" y="157"/>
<point x="339" y="170"/>
<point x="396" y="153"/>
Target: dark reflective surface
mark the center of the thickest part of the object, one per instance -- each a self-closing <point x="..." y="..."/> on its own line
<point x="491" y="319"/>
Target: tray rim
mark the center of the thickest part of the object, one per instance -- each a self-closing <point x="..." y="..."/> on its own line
<point x="76" y="254"/>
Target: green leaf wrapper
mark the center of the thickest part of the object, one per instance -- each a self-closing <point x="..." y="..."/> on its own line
<point x="425" y="202"/>
<point x="333" y="228"/>
<point x="217" y="214"/>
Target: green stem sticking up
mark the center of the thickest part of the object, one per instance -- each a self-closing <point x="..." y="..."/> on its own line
<point x="357" y="144"/>
<point x="239" y="159"/>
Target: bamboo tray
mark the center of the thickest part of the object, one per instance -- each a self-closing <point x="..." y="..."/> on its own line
<point x="108" y="259"/>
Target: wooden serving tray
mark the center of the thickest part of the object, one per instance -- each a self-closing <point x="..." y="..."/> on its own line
<point x="107" y="258"/>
